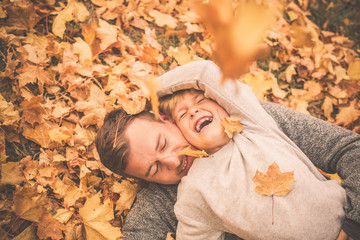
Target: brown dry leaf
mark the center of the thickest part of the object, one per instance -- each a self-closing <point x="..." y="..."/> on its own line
<point x="96" y="217"/>
<point x="181" y="54"/>
<point x="8" y="114"/>
<point x="231" y="125"/>
<point x="73" y="11"/>
<point x="58" y="136"/>
<point x="107" y="33"/>
<point x="162" y="19"/>
<point x="238" y="32"/>
<point x="11" y="174"/>
<point x="354" y="69"/>
<point x="3" y="155"/>
<point x="32" y="110"/>
<point x="274" y="182"/>
<point x="169" y="236"/>
<point x="49" y="227"/>
<point x="348" y="114"/>
<point x="29" y="204"/>
<point x="152" y="84"/>
<point x="127" y="191"/>
<point x="193" y="153"/>
<point x="40" y="133"/>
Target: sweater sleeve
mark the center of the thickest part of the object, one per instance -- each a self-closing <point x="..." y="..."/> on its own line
<point x="329" y="147"/>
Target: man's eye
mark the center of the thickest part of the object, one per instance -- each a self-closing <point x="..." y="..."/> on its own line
<point x="156" y="169"/>
<point x="163" y="147"/>
<point x="200" y="100"/>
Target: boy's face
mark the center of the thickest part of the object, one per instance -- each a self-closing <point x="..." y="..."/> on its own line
<point x="199" y="119"/>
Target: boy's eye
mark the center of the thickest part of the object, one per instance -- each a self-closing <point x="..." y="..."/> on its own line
<point x="200" y="100"/>
<point x="182" y="115"/>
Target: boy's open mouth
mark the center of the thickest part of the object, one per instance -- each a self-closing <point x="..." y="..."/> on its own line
<point x="202" y="122"/>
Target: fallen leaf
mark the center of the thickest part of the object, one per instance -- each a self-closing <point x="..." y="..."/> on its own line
<point x="354" y="69"/>
<point x="28" y="204"/>
<point x="231" y="125"/>
<point x="73" y="11"/>
<point x="96" y="217"/>
<point x="127" y="191"/>
<point x="51" y="228"/>
<point x="11" y="174"/>
<point x="8" y="114"/>
<point x="193" y="153"/>
<point x="162" y="19"/>
<point x="347" y="114"/>
<point x="274" y="182"/>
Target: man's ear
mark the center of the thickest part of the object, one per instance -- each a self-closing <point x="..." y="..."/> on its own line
<point x="164" y="118"/>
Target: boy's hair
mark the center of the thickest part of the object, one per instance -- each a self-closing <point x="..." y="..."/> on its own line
<point x="115" y="155"/>
<point x="169" y="102"/>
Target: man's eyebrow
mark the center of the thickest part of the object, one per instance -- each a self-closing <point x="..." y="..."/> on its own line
<point x="157" y="142"/>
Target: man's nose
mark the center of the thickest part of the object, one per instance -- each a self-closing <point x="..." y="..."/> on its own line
<point x="171" y="162"/>
<point x="193" y="111"/>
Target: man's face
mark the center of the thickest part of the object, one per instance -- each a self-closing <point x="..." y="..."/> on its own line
<point x="154" y="151"/>
<point x="199" y="119"/>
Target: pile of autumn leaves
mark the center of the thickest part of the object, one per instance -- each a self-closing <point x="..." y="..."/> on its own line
<point x="69" y="63"/>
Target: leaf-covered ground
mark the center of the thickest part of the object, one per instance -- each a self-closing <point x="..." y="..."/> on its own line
<point x="65" y="64"/>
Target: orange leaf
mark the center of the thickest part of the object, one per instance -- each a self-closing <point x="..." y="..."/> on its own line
<point x="193" y="153"/>
<point x="274" y="182"/>
<point x="231" y="125"/>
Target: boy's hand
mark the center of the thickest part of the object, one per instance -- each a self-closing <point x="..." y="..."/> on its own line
<point x="343" y="236"/>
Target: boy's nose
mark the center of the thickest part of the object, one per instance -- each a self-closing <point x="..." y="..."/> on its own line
<point x="193" y="111"/>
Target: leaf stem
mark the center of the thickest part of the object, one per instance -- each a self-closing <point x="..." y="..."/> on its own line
<point x="272" y="201"/>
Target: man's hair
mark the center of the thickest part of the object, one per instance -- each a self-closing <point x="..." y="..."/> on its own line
<point x="169" y="102"/>
<point x="115" y="154"/>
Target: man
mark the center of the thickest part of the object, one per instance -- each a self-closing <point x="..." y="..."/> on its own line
<point x="329" y="147"/>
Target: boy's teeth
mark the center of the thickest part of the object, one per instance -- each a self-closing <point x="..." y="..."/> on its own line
<point x="200" y="122"/>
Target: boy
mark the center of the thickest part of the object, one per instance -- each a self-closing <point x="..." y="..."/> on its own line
<point x="218" y="196"/>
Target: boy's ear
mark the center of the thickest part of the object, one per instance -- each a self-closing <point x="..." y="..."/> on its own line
<point x="163" y="117"/>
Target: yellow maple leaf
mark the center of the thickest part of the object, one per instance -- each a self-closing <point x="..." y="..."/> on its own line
<point x="274" y="182"/>
<point x="193" y="153"/>
<point x="96" y="217"/>
<point x="231" y="125"/>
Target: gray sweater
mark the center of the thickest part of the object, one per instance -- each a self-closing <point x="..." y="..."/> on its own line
<point x="329" y="147"/>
